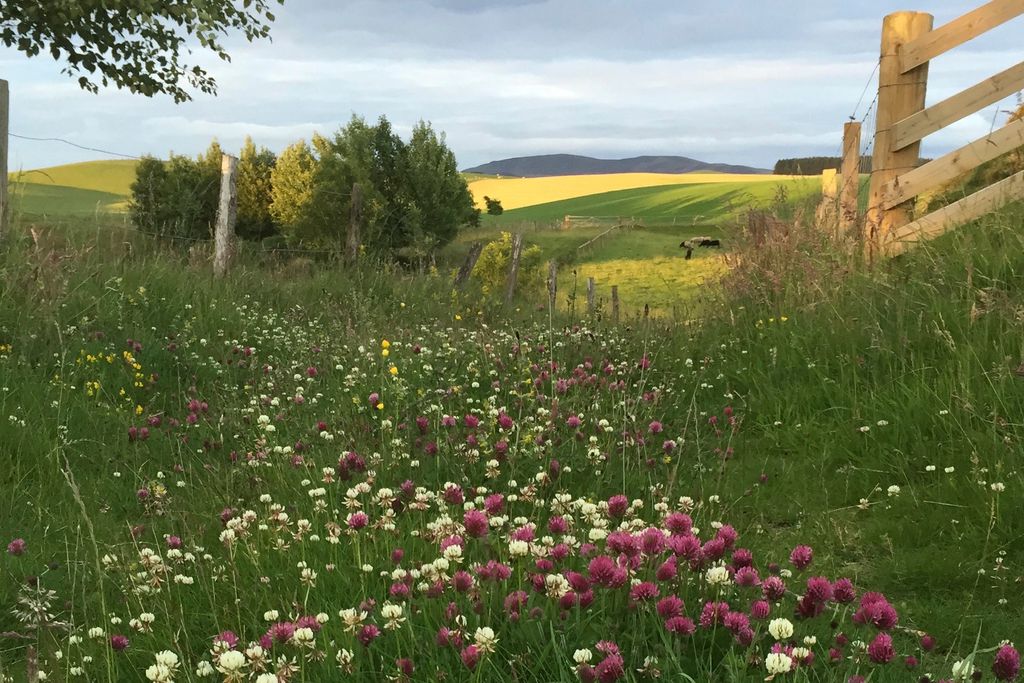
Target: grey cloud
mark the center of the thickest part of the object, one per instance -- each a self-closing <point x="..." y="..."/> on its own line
<point x="734" y="80"/>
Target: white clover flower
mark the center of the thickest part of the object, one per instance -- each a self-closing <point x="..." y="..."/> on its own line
<point x="781" y="629"/>
<point x="998" y="486"/>
<point x="717" y="576"/>
<point x="518" y="548"/>
<point x="167" y="658"/>
<point x="230" y="661"/>
<point x="778" y="663"/>
<point x="303" y="636"/>
<point x="267" y="678"/>
<point x="485" y="639"/>
<point x="271" y="615"/>
<point x="893" y="491"/>
<point x="96" y="632"/>
<point x="582" y="656"/>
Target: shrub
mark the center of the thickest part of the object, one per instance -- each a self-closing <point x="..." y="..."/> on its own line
<point x="492" y="267"/>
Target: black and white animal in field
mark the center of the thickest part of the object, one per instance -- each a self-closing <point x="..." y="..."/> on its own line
<point x="694" y="242"/>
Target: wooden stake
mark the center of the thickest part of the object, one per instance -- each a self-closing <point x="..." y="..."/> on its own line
<point x="829" y="184"/>
<point x="226" y="214"/>
<point x="513" y="271"/>
<point x="849" y="191"/>
<point x="467" y="266"/>
<point x="899" y="96"/>
<point x="591" y="291"/>
<point x="355" y="224"/>
<point x="5" y="113"/>
<point x="615" y="303"/>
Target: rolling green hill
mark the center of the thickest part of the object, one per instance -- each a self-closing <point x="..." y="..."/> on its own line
<point x="81" y="189"/>
<point x="114" y="177"/>
<point x="667" y="204"/>
<point x="38" y="199"/>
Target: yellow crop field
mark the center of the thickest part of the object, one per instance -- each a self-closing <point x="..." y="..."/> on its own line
<point x="515" y="193"/>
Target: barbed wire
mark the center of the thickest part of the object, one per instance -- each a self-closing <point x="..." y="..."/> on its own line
<point x="74" y="144"/>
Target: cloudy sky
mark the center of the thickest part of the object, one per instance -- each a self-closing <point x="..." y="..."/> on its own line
<point x="738" y="81"/>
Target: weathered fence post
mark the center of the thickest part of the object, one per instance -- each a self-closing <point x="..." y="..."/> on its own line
<point x="552" y="282"/>
<point x="224" y="234"/>
<point x="5" y="112"/>
<point x="467" y="266"/>
<point x="615" y="303"/>
<point x="355" y="224"/>
<point x="590" y="295"/>
<point x="899" y="96"/>
<point x="513" y="270"/>
<point x="849" y="190"/>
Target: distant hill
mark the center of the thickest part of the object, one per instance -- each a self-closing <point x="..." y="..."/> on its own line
<point x="109" y="176"/>
<point x="572" y="164"/>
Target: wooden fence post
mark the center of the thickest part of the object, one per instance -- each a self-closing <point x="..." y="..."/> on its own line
<point x="513" y="270"/>
<point x="224" y="235"/>
<point x="591" y="291"/>
<point x="467" y="266"/>
<point x="899" y="95"/>
<point x="849" y="190"/>
<point x="5" y="112"/>
<point x="355" y="224"/>
<point x="615" y="303"/>
<point x="552" y="283"/>
<point x="829" y="184"/>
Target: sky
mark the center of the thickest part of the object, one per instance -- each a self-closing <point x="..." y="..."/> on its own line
<point x="743" y="82"/>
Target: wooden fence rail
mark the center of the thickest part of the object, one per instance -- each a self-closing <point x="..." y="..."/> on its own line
<point x="909" y="43"/>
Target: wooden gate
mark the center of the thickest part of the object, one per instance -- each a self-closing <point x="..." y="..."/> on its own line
<point x="909" y="43"/>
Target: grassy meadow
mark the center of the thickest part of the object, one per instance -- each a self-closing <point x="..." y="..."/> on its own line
<point x="358" y="474"/>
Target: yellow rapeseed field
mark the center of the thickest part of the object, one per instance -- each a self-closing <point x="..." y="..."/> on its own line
<point x="515" y="193"/>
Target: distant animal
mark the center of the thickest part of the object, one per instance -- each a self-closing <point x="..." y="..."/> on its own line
<point x="690" y="244"/>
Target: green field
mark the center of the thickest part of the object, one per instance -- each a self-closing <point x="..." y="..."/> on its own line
<point x="112" y="177"/>
<point x="671" y="204"/>
<point x="87" y="188"/>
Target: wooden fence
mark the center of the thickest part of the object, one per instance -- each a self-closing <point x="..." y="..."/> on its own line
<point x="909" y="43"/>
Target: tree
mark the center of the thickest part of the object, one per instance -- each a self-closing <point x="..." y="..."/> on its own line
<point x="138" y="45"/>
<point x="177" y="198"/>
<point x="494" y="207"/>
<point x="255" y="168"/>
<point x="437" y="189"/>
<point x="292" y="189"/>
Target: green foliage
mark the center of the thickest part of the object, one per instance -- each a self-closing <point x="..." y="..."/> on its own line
<point x="491" y="269"/>
<point x="414" y="199"/>
<point x="494" y="207"/>
<point x="292" y="189"/>
<point x="177" y="198"/>
<point x="138" y="45"/>
<point x="255" y="170"/>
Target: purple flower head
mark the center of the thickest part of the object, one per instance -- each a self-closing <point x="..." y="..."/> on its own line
<point x="801" y="556"/>
<point x="682" y="626"/>
<point x="367" y="634"/>
<point x="617" y="506"/>
<point x="880" y="650"/>
<point x="119" y="643"/>
<point x="17" y="547"/>
<point x="476" y="523"/>
<point x="843" y="591"/>
<point x="470" y="656"/>
<point x="1007" y="663"/>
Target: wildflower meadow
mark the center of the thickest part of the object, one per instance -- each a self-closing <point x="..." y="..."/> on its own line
<point x="263" y="481"/>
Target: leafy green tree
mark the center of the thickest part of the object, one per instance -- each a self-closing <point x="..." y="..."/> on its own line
<point x="255" y="169"/>
<point x="177" y="198"/>
<point x="435" y="186"/>
<point x="292" y="190"/>
<point x="139" y="45"/>
<point x="494" y="207"/>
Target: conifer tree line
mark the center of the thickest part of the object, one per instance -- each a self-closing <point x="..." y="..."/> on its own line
<point x="414" y="198"/>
